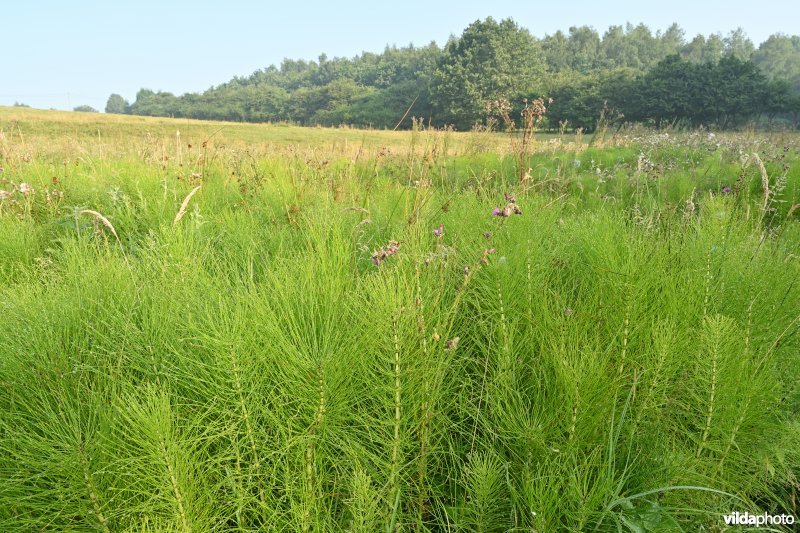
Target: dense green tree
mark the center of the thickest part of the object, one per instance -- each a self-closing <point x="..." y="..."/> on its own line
<point x="636" y="47"/>
<point x="618" y="50"/>
<point x="384" y="109"/>
<point x="738" y="45"/>
<point x="576" y="104"/>
<point x="265" y="103"/>
<point x="584" y="48"/>
<point x="740" y="89"/>
<point x="779" y="57"/>
<point x="297" y="73"/>
<point x="779" y="99"/>
<point x="556" y="52"/>
<point x="580" y="101"/>
<point x="330" y="70"/>
<point x="647" y="46"/>
<point x="116" y="104"/>
<point x="490" y="60"/>
<point x="324" y="105"/>
<point x="702" y="50"/>
<point x="726" y="93"/>
<point x="695" y="50"/>
<point x="715" y="47"/>
<point x="671" y="41"/>
<point x="793" y="108"/>
<point x="668" y="93"/>
<point x="158" y="104"/>
<point x="85" y="109"/>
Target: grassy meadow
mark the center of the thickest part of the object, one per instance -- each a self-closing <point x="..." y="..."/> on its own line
<point x="228" y="327"/>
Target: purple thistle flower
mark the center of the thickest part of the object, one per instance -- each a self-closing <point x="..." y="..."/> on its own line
<point x="383" y="253"/>
<point x="439" y="232"/>
<point x="511" y="207"/>
<point x="726" y="190"/>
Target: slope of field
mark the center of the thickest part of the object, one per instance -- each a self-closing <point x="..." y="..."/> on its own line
<point x="323" y="330"/>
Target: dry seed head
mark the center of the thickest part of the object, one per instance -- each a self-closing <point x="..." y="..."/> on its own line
<point x="184" y="205"/>
<point x="102" y="219"/>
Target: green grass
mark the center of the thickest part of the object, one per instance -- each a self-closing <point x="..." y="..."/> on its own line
<point x="623" y="354"/>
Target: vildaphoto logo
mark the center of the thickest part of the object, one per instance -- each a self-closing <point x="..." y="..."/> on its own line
<point x="747" y="519"/>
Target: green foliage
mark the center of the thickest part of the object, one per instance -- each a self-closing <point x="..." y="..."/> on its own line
<point x="588" y="74"/>
<point x="160" y="104"/>
<point x="370" y="89"/>
<point x="779" y="58"/>
<point x="85" y="109"/>
<point x="489" y="61"/>
<point x="623" y="354"/>
<point x="579" y="101"/>
<point x="384" y="109"/>
<point x="724" y="94"/>
<point x="116" y="104"/>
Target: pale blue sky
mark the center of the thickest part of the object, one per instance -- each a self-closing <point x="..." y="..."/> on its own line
<point x="62" y="54"/>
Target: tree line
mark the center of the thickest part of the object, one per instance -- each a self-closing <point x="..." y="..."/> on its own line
<point x="629" y="74"/>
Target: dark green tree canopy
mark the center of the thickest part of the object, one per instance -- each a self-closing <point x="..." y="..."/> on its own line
<point x="116" y="104"/>
<point x="726" y="93"/>
<point x="490" y="60"/>
<point x="779" y="58"/>
<point x="85" y="109"/>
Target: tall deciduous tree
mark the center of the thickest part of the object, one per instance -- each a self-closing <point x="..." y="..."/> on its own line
<point x="556" y="52"/>
<point x="584" y="47"/>
<point x="738" y="45"/>
<point x="490" y="60"/>
<point x="116" y="104"/>
<point x="779" y="57"/>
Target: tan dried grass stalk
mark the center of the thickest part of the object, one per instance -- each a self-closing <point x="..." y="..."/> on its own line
<point x="359" y="209"/>
<point x="101" y="218"/>
<point x="184" y="205"/>
<point x="107" y="223"/>
<point x="764" y="181"/>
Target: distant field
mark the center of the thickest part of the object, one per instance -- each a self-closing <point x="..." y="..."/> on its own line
<point x="267" y="327"/>
<point x="113" y="130"/>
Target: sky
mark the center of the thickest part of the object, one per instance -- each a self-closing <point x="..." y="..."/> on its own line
<point x="61" y="54"/>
